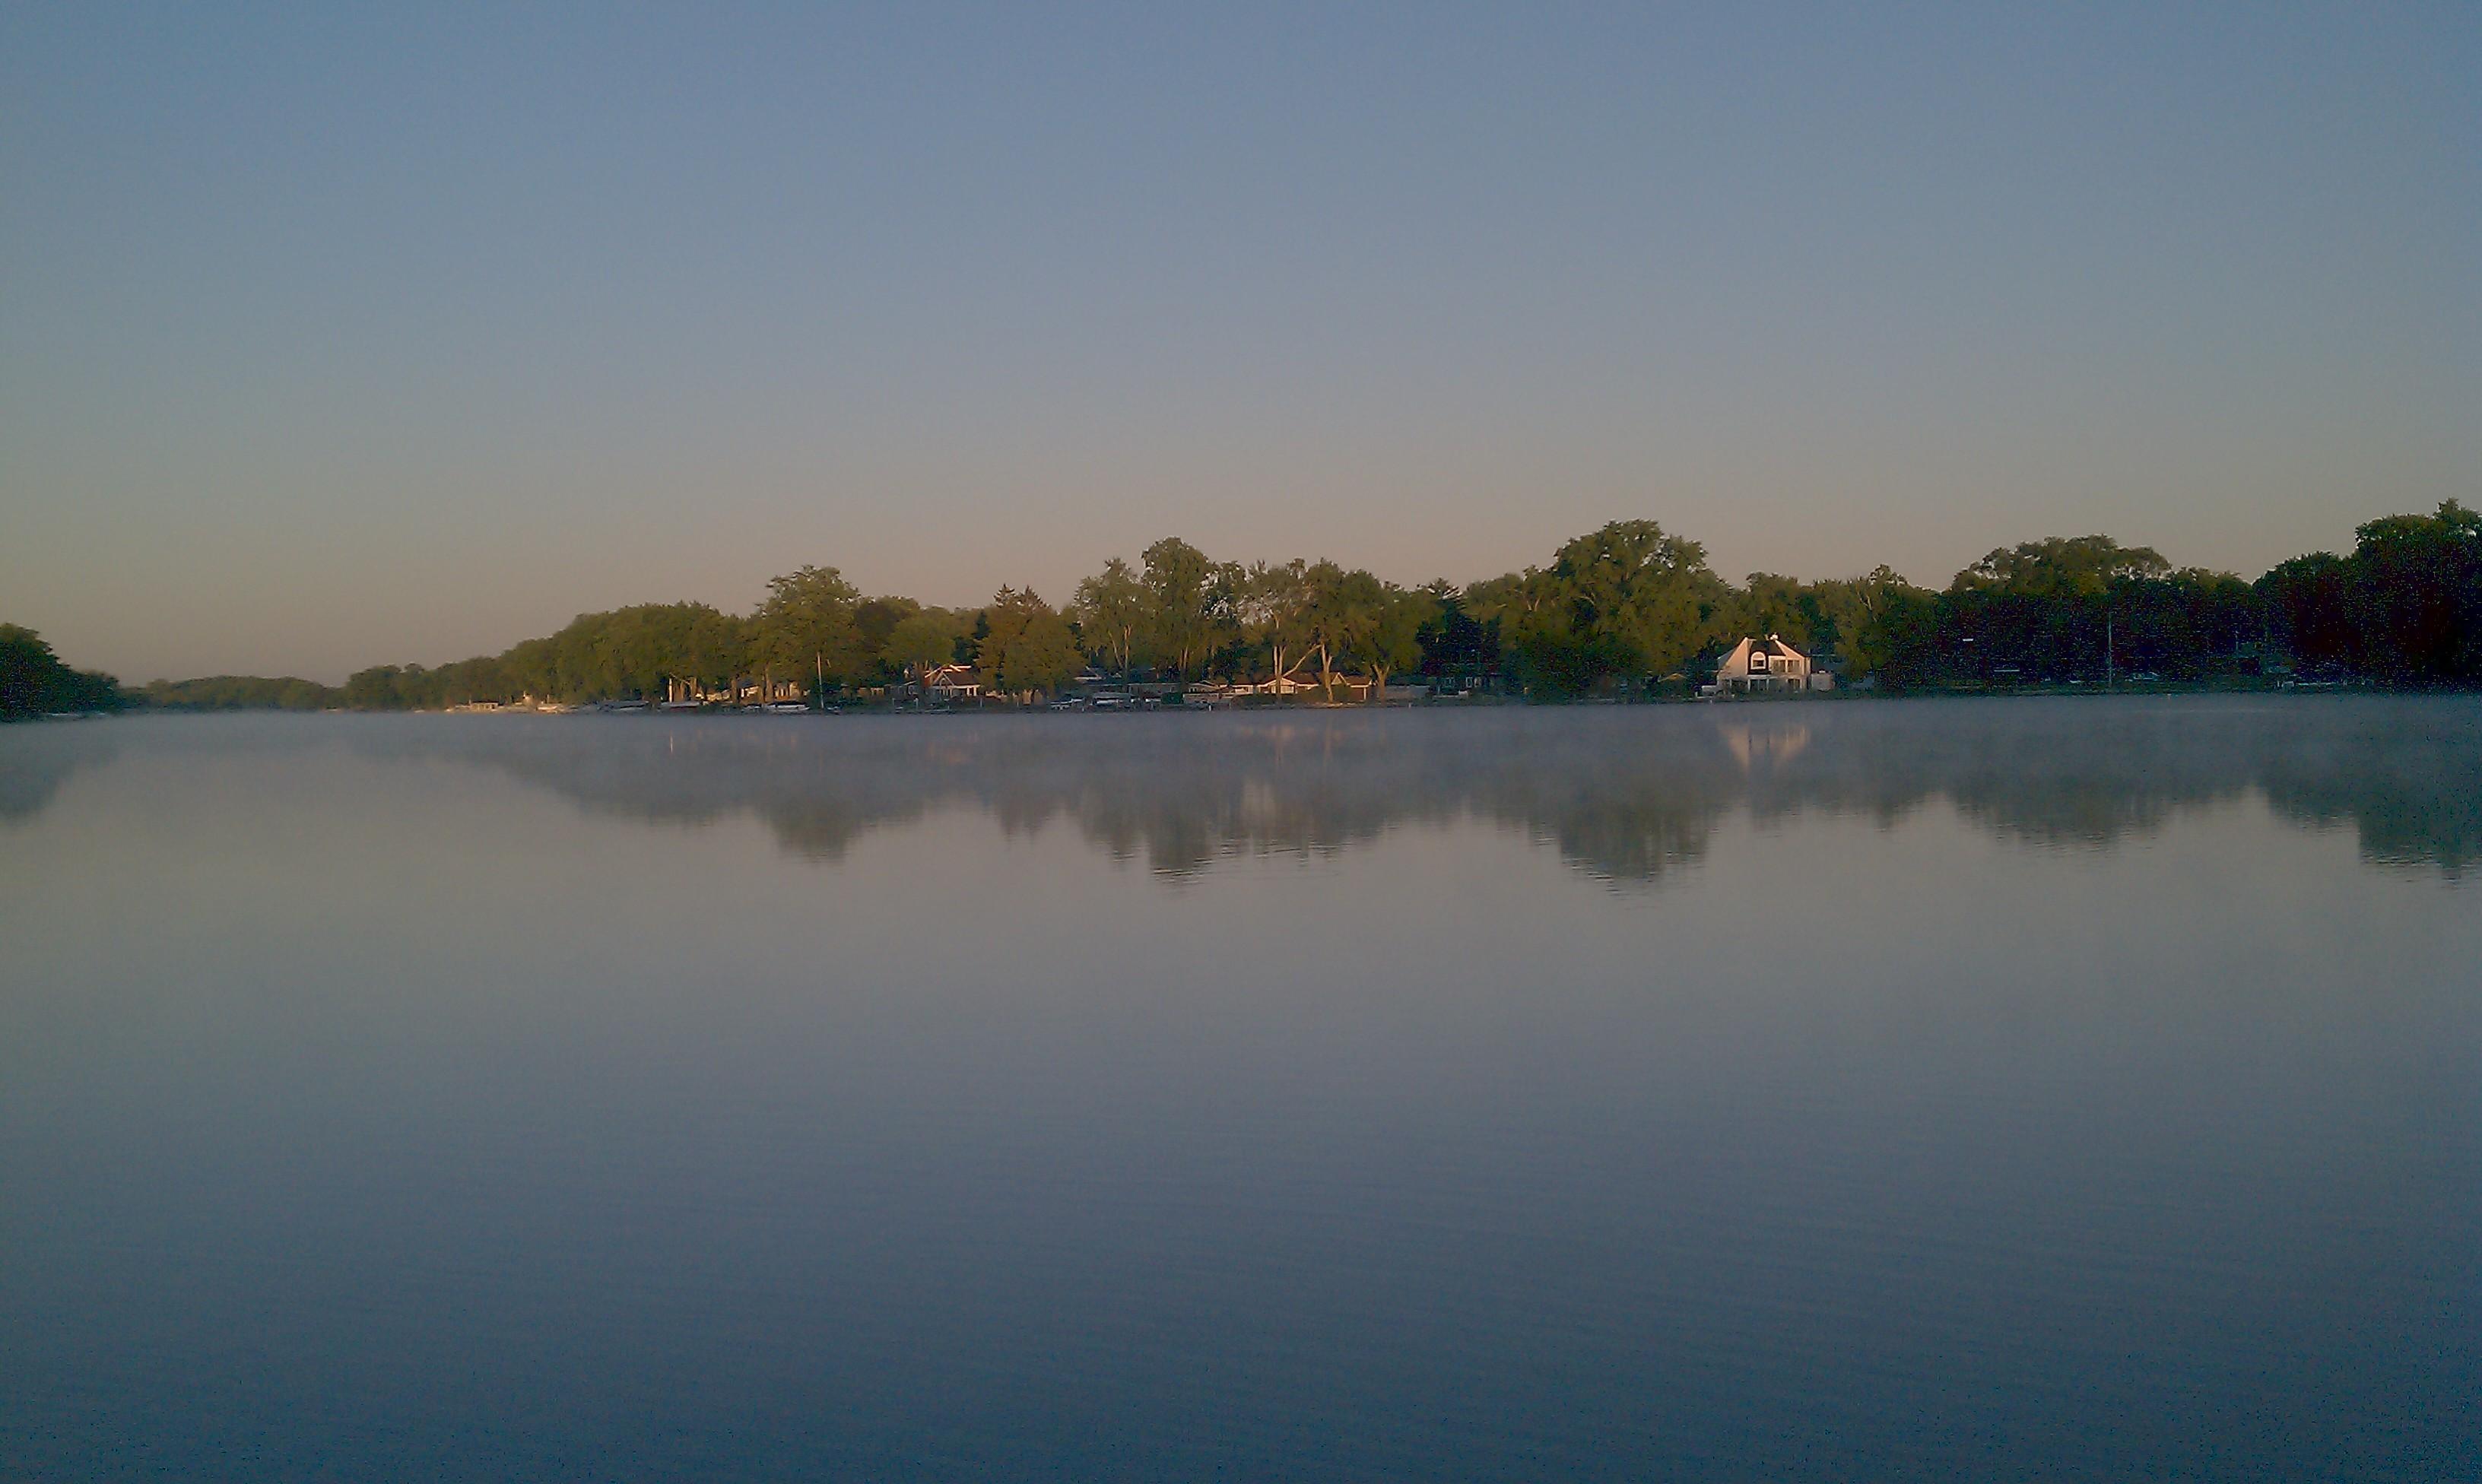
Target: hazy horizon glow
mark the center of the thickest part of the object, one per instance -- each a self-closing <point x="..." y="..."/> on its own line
<point x="336" y="338"/>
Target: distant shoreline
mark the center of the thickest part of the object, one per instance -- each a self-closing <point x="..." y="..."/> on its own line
<point x="1626" y="612"/>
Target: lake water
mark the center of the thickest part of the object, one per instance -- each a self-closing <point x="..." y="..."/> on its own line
<point x="2090" y="1088"/>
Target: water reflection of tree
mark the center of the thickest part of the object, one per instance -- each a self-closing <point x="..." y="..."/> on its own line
<point x="2413" y="794"/>
<point x="1627" y="795"/>
<point x="37" y="758"/>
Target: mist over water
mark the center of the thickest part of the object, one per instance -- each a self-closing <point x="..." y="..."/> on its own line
<point x="2085" y="1087"/>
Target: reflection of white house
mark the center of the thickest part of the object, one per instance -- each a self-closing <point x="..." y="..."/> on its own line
<point x="1766" y="664"/>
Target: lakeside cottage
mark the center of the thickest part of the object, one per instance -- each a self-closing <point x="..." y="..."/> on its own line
<point x="1769" y="665"/>
<point x="953" y="683"/>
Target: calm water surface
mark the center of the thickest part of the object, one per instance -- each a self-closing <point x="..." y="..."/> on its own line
<point x="2084" y="1088"/>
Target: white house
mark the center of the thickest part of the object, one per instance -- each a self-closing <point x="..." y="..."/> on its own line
<point x="1768" y="665"/>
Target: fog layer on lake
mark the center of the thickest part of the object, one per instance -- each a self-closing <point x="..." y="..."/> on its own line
<point x="2088" y="1087"/>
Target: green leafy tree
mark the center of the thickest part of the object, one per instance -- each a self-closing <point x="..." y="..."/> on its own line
<point x="1339" y="611"/>
<point x="1628" y="600"/>
<point x="2056" y="568"/>
<point x="1457" y="642"/>
<point x="717" y="649"/>
<point x="1770" y="603"/>
<point x="2415" y="596"/>
<point x="807" y="626"/>
<point x="384" y="688"/>
<point x="1356" y="619"/>
<point x="1273" y="601"/>
<point x="2308" y="605"/>
<point x="1393" y="640"/>
<point x="1869" y="619"/>
<point x="34" y="681"/>
<point x="921" y="643"/>
<point x="1112" y="607"/>
<point x="875" y="620"/>
<point x="2055" y="610"/>
<point x="1028" y="647"/>
<point x="1182" y="602"/>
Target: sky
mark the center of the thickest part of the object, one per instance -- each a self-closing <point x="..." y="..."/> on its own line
<point x="341" y="335"/>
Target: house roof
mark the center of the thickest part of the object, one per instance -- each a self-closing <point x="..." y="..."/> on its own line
<point x="1772" y="645"/>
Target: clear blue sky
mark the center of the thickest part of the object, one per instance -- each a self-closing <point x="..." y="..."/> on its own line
<point x="334" y="336"/>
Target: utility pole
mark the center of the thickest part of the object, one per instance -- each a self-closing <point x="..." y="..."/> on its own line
<point x="2109" y="669"/>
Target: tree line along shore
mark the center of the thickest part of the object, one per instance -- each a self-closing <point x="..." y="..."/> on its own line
<point x="1629" y="611"/>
